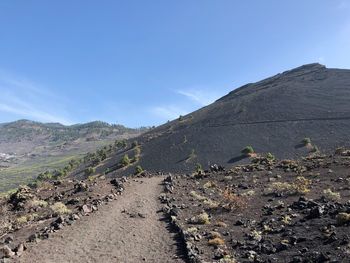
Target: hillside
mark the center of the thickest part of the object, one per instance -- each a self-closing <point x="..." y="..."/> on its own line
<point x="28" y="148"/>
<point x="267" y="211"/>
<point x="273" y="115"/>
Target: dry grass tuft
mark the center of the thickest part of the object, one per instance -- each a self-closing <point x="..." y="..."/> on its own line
<point x="201" y="219"/>
<point x="232" y="201"/>
<point x="329" y="194"/>
<point x="216" y="242"/>
<point x="60" y="209"/>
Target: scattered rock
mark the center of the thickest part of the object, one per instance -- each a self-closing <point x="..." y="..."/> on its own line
<point x="7" y="252"/>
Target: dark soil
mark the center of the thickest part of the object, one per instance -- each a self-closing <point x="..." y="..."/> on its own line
<point x="267" y="211"/>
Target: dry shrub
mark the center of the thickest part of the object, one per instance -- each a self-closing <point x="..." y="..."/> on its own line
<point x="209" y="184"/>
<point x="201" y="219"/>
<point x="26" y="218"/>
<point x="214" y="234"/>
<point x="216" y="242"/>
<point x="60" y="209"/>
<point x="301" y="185"/>
<point x="36" y="203"/>
<point x="329" y="194"/>
<point x="197" y="196"/>
<point x="220" y="224"/>
<point x="232" y="201"/>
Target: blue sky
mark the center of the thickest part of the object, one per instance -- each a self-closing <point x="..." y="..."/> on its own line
<point x="139" y="62"/>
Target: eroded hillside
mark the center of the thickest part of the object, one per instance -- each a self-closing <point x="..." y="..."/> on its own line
<point x="28" y="148"/>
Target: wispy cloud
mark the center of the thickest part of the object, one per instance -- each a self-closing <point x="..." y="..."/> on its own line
<point x="25" y="99"/>
<point x="200" y="96"/>
<point x="169" y="112"/>
<point x="195" y="98"/>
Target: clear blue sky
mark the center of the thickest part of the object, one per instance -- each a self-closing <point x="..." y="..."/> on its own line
<point x="144" y="62"/>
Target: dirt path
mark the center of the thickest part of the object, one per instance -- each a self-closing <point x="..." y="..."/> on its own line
<point x="126" y="230"/>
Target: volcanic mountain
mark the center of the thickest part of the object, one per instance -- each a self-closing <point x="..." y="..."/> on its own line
<point x="273" y="115"/>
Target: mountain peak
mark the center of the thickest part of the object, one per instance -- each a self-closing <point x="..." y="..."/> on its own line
<point x="307" y="67"/>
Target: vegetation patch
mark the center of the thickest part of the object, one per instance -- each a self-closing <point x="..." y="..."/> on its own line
<point x="60" y="209"/>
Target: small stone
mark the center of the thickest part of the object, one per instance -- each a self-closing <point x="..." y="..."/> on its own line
<point x="20" y="249"/>
<point x="316" y="212"/>
<point x="297" y="259"/>
<point x="8" y="239"/>
<point x="86" y="209"/>
<point x="33" y="238"/>
<point x="7" y="252"/>
<point x="75" y="217"/>
<point x="141" y="215"/>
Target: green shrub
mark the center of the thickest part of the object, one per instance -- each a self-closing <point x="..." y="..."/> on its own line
<point x="138" y="169"/>
<point x="137" y="150"/>
<point x="306" y="141"/>
<point x="198" y="168"/>
<point x="45" y="176"/>
<point x="121" y="144"/>
<point x="125" y="161"/>
<point x="89" y="171"/>
<point x="247" y="150"/>
<point x="270" y="156"/>
<point x="134" y="144"/>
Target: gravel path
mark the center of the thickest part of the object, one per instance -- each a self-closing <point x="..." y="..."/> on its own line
<point x="126" y="230"/>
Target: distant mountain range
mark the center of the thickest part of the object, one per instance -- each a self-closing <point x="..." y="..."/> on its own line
<point x="28" y="148"/>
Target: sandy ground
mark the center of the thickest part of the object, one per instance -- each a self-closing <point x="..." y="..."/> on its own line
<point x="127" y="230"/>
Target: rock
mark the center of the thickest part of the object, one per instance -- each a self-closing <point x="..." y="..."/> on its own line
<point x="20" y="248"/>
<point x="81" y="187"/>
<point x="197" y="237"/>
<point x="7" y="252"/>
<point x="75" y="217"/>
<point x="169" y="188"/>
<point x="297" y="259"/>
<point x="316" y="212"/>
<point x="118" y="185"/>
<point x="21" y="197"/>
<point x="169" y="179"/>
<point x="59" y="220"/>
<point x="141" y="215"/>
<point x="8" y="239"/>
<point x="86" y="209"/>
<point x="251" y="255"/>
<point x="58" y="223"/>
<point x="239" y="222"/>
<point x="300" y="204"/>
<point x="73" y="201"/>
<point x="282" y="246"/>
<point x="33" y="238"/>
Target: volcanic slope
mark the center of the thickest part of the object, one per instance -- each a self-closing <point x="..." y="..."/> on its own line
<point x="273" y="115"/>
